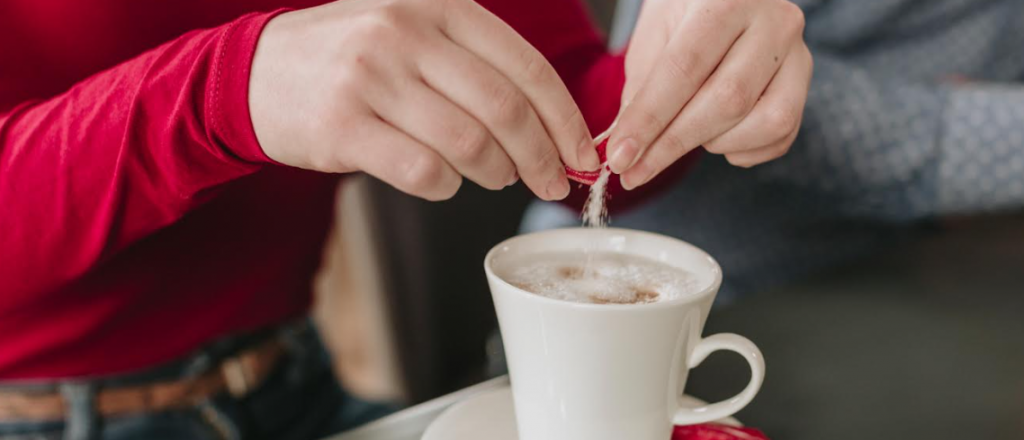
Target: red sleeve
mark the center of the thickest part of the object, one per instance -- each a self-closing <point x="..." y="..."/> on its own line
<point x="123" y="153"/>
<point x="563" y="32"/>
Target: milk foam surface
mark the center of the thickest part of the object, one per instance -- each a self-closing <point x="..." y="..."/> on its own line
<point x="609" y="278"/>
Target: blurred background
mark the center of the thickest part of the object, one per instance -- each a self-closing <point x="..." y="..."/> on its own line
<point x="918" y="335"/>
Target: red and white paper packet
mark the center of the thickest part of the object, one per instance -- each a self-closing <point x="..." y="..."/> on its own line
<point x="589" y="177"/>
<point x="716" y="431"/>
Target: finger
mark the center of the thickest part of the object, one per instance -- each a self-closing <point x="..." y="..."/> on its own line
<point x="727" y="97"/>
<point x="779" y="112"/>
<point x="788" y="90"/>
<point x="492" y="40"/>
<point x="489" y="97"/>
<point x="747" y="159"/>
<point x="447" y="129"/>
<point x="695" y="49"/>
<point x="402" y="162"/>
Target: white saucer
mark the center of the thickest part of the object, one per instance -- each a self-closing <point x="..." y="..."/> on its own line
<point x="490" y="415"/>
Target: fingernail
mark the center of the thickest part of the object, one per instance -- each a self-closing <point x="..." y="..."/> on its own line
<point x="513" y="180"/>
<point x="586" y="155"/>
<point x="627" y="183"/>
<point x="558" y="189"/>
<point x="636" y="176"/>
<point x="622" y="156"/>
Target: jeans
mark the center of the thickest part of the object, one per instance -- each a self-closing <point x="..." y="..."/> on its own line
<point x="300" y="400"/>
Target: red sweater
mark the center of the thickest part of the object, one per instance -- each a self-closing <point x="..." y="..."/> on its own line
<point x="139" y="218"/>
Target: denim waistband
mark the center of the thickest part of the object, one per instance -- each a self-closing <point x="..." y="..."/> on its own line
<point x="303" y="373"/>
<point x="298" y="337"/>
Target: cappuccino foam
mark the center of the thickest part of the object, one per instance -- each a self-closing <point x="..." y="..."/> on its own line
<point x="599" y="278"/>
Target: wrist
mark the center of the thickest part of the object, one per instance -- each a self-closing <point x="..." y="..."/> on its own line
<point x="232" y="123"/>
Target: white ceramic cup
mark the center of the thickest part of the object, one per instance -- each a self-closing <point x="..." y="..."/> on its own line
<point x="609" y="371"/>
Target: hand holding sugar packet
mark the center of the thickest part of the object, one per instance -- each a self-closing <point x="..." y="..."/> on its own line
<point x="590" y="177"/>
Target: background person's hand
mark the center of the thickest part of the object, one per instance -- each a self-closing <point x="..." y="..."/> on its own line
<point x="731" y="75"/>
<point x="418" y="93"/>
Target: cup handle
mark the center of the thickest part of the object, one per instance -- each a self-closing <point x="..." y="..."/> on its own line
<point x="725" y="408"/>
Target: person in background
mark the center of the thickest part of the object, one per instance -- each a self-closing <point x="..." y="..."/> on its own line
<point x="167" y="172"/>
<point x="916" y="112"/>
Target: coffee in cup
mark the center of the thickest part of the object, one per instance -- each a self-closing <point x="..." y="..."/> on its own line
<point x="598" y="277"/>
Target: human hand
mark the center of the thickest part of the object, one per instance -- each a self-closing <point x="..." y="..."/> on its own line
<point x="418" y="93"/>
<point x="731" y="75"/>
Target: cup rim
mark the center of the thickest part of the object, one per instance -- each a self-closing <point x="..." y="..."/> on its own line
<point x="703" y="293"/>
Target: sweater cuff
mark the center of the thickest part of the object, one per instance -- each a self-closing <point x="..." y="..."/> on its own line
<point x="232" y="126"/>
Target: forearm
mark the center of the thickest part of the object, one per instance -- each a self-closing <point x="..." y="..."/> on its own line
<point x="122" y="154"/>
<point x="893" y="150"/>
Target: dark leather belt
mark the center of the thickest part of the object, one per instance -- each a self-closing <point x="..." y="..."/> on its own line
<point x="237" y="376"/>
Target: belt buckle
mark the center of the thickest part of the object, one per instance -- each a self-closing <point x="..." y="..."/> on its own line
<point x="238" y="376"/>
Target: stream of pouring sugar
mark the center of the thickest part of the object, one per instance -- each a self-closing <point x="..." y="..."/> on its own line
<point x="595" y="215"/>
<point x="595" y="211"/>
